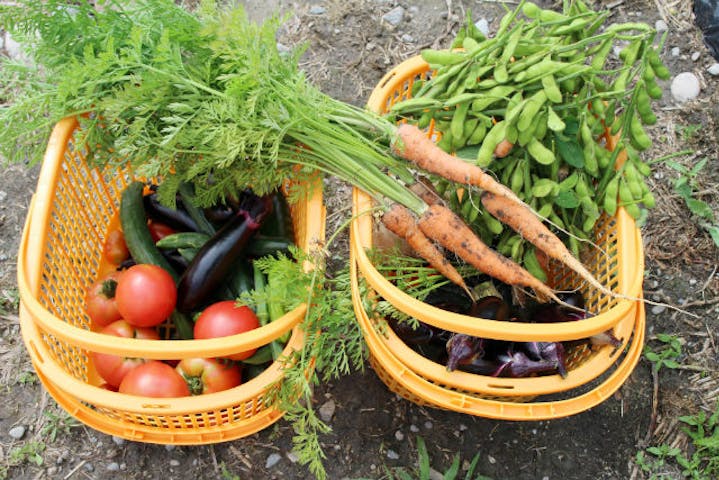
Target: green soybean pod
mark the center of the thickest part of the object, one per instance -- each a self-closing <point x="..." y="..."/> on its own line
<point x="446" y="142"/>
<point x="600" y="57"/>
<point x="639" y="138"/>
<point x="478" y="134"/>
<point x="500" y="73"/>
<point x="469" y="43"/>
<point x="648" y="200"/>
<point x="531" y="10"/>
<point x="516" y="251"/>
<point x="513" y="111"/>
<point x="591" y="164"/>
<point x="456" y="126"/>
<point x="554" y="122"/>
<point x="516" y="181"/>
<point x="546" y="15"/>
<point x="541" y="130"/>
<point x="532" y="265"/>
<point x="442" y="57"/>
<point x="625" y="194"/>
<point x="610" y="205"/>
<point x="540" y="153"/>
<point x="551" y="89"/>
<point x="604" y="157"/>
<point x="494" y="225"/>
<point x="525" y="136"/>
<point x="643" y="168"/>
<point x="469" y="126"/>
<point x="491" y="140"/>
<point x="633" y="210"/>
<point x="512" y="134"/>
<point x="529" y="112"/>
<point x="545" y="210"/>
<point x="588" y="224"/>
<point x="425" y="119"/>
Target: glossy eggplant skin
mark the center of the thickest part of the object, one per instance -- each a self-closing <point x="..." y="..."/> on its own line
<point x="176" y="218"/>
<point x="215" y="259"/>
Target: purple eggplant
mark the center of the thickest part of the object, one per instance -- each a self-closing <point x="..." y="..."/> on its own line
<point x="205" y="274"/>
<point x="483" y="366"/>
<point x="463" y="348"/>
<point x="419" y="334"/>
<point x="520" y="365"/>
<point x="547" y="351"/>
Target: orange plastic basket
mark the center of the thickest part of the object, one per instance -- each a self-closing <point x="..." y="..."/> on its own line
<point x="503" y="398"/>
<point x="593" y="372"/>
<point x="60" y="255"/>
<point x="618" y="263"/>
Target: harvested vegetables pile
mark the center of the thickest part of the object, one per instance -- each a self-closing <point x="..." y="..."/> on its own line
<point x="207" y="99"/>
<point x="538" y="104"/>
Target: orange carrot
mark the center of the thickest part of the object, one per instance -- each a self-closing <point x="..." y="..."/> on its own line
<point x="402" y="223"/>
<point x="533" y="230"/>
<point x="503" y="148"/>
<point x="443" y="226"/>
<point x="412" y="144"/>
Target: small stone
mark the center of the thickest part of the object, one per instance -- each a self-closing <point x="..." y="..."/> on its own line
<point x="399" y="436"/>
<point x="3" y="195"/>
<point x="695" y="56"/>
<point x="123" y="466"/>
<point x="88" y="467"/>
<point x="113" y="467"/>
<point x="273" y="460"/>
<point x="491" y="459"/>
<point x="52" y="471"/>
<point x="17" y="432"/>
<point x="714" y="69"/>
<point x="685" y="87"/>
<point x="483" y="26"/>
<point x="676" y="51"/>
<point x="118" y="441"/>
<point x="394" y="17"/>
<point x="13" y="49"/>
<point x="435" y="475"/>
<point x="661" y="26"/>
<point x="413" y="428"/>
<point x="657" y="309"/>
<point x="428" y="425"/>
<point x="692" y="281"/>
<point x="292" y="457"/>
<point x="170" y="448"/>
<point x="407" y="38"/>
<point x="174" y="463"/>
<point x="463" y="427"/>
<point x="317" y="10"/>
<point x="392" y="455"/>
<point x="327" y="410"/>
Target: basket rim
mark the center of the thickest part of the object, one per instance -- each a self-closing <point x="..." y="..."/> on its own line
<point x="601" y="360"/>
<point x="29" y="272"/>
<point x="443" y="398"/>
<point x="361" y="238"/>
<point x="43" y="362"/>
<point x="148" y="434"/>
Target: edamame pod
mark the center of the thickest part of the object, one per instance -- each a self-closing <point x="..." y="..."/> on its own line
<point x="491" y="140"/>
<point x="456" y="126"/>
<point x="639" y="138"/>
<point x="551" y="89"/>
<point x="529" y="112"/>
<point x="442" y="57"/>
<point x="540" y="153"/>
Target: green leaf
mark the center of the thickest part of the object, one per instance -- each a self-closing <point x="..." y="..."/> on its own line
<point x="423" y="459"/>
<point x="468" y="153"/>
<point x="714" y="233"/>
<point x="570" y="151"/>
<point x="567" y="199"/>
<point x="700" y="208"/>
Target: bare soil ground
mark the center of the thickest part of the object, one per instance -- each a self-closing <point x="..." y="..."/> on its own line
<point x="349" y="49"/>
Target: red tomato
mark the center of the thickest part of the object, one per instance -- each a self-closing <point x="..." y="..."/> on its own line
<point x="146" y="295"/>
<point x="115" y="249"/>
<point x="113" y="368"/>
<point x="225" y="318"/>
<point x="209" y="375"/>
<point x="159" y="230"/>
<point x="154" y="379"/>
<point x="100" y="303"/>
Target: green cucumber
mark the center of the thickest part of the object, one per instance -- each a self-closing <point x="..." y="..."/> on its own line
<point x="262" y="245"/>
<point x="142" y="247"/>
<point x="183" y="240"/>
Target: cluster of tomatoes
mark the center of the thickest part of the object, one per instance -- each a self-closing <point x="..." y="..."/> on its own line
<point x="132" y="303"/>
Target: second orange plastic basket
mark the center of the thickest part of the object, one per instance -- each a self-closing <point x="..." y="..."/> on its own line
<point x="60" y="255"/>
<point x="594" y="371"/>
